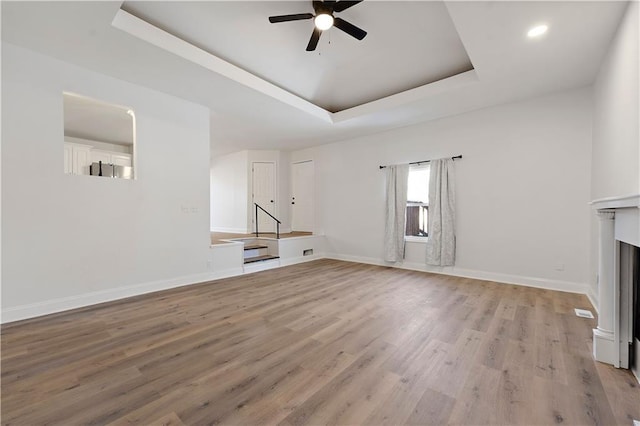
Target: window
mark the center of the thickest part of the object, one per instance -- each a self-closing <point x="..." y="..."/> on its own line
<point x="417" y="201"/>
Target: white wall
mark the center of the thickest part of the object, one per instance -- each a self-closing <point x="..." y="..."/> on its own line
<point x="73" y="240"/>
<point x="283" y="191"/>
<point x="232" y="207"/>
<point x="229" y="196"/>
<point x="523" y="190"/>
<point x="616" y="121"/>
<point x="616" y="127"/>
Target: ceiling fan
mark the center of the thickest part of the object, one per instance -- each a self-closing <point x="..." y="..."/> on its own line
<point x="324" y="19"/>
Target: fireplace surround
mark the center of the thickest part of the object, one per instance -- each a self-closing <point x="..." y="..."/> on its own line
<point x="614" y="341"/>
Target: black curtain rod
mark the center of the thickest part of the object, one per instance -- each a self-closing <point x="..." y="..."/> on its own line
<point x="427" y="161"/>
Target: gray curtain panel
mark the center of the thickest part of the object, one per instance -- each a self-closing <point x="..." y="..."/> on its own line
<point x="441" y="244"/>
<point x="396" y="206"/>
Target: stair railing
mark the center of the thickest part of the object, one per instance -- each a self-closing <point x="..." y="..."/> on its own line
<point x="271" y="216"/>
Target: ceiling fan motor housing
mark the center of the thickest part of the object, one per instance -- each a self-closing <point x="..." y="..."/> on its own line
<point x="322" y="9"/>
<point x="325" y="8"/>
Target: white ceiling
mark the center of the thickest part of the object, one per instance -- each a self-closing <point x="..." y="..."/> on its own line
<point x="95" y="120"/>
<point x="342" y="72"/>
<point x="247" y="113"/>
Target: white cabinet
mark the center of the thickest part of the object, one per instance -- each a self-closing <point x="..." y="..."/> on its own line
<point x="109" y="157"/>
<point x="98" y="155"/>
<point x="77" y="158"/>
<point x="121" y="159"/>
<point x="81" y="160"/>
<point x="68" y="159"/>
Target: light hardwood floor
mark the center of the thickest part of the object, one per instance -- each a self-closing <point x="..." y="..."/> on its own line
<point x="324" y="342"/>
<point x="220" y="237"/>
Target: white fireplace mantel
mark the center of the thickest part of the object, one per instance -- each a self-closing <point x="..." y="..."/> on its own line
<point x="619" y="220"/>
<point x="626" y="201"/>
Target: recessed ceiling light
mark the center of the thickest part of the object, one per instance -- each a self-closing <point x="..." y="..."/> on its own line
<point x="537" y="31"/>
<point x="323" y="21"/>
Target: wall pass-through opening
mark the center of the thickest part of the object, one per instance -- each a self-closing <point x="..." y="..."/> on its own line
<point x="99" y="138"/>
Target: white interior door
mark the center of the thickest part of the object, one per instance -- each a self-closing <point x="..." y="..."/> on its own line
<point x="264" y="194"/>
<point x="302" y="177"/>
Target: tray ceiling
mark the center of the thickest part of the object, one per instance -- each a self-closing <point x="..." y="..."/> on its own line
<point x="343" y="72"/>
<point x="251" y="113"/>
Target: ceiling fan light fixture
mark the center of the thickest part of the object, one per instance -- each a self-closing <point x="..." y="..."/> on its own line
<point x="323" y="21"/>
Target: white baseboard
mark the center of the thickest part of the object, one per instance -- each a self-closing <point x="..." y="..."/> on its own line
<point x="72" y="302"/>
<point x="250" y="268"/>
<point x="604" y="347"/>
<point x="470" y="273"/>
<point x="47" y="307"/>
<point x="300" y="259"/>
<point x="279" y="263"/>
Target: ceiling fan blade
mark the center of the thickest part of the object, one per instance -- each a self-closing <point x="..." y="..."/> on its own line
<point x="286" y="18"/>
<point x="349" y="28"/>
<point x="313" y="41"/>
<point x="344" y="5"/>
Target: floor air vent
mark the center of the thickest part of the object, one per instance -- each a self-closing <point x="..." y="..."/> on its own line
<point x="583" y="313"/>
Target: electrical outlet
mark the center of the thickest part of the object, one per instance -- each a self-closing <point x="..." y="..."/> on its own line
<point x="559" y="267"/>
<point x="209" y="264"/>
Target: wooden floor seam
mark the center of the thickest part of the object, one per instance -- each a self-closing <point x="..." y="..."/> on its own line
<point x="322" y="342"/>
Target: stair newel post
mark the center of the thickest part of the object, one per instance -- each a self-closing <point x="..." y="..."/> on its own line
<point x="277" y="230"/>
<point x="256" y="219"/>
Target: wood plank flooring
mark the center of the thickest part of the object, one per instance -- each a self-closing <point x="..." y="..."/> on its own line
<point x="324" y="342"/>
<point x="220" y="237"/>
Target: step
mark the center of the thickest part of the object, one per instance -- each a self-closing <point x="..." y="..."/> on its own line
<point x="254" y="246"/>
<point x="260" y="258"/>
<point x="251" y="252"/>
